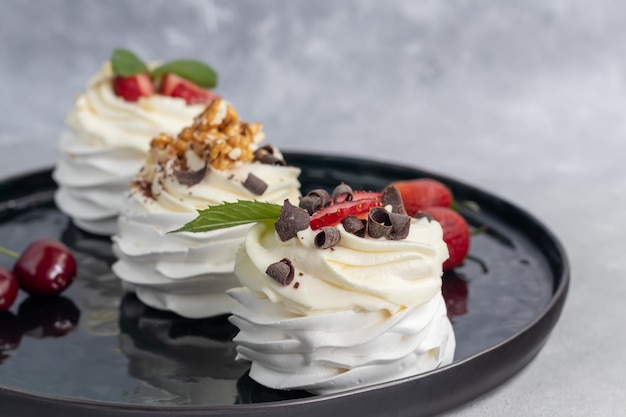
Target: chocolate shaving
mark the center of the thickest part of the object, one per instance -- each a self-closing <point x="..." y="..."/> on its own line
<point x="322" y="194"/>
<point x="378" y="223"/>
<point x="342" y="192"/>
<point x="421" y="215"/>
<point x="268" y="159"/>
<point x="311" y="203"/>
<point x="327" y="237"/>
<point x="400" y="226"/>
<point x="354" y="225"/>
<point x="315" y="200"/>
<point x="264" y="150"/>
<point x="190" y="178"/>
<point x="255" y="184"/>
<point x="391" y="196"/>
<point x="292" y="219"/>
<point x="281" y="271"/>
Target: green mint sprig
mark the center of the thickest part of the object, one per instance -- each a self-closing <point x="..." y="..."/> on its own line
<point x="231" y="215"/>
<point x="195" y="71"/>
<point x="125" y="63"/>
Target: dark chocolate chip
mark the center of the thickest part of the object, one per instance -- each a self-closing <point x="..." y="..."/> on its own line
<point x="292" y="219"/>
<point x="311" y="203"/>
<point x="269" y="159"/>
<point x="281" y="271"/>
<point x="255" y="184"/>
<point x="378" y="223"/>
<point x="342" y="192"/>
<point x="190" y="177"/>
<point x="400" y="226"/>
<point x="391" y="196"/>
<point x="327" y="237"/>
<point x="264" y="150"/>
<point x="421" y="215"/>
<point x="322" y="194"/>
<point x="354" y="225"/>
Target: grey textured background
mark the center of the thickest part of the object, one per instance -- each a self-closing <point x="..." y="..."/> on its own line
<point x="523" y="98"/>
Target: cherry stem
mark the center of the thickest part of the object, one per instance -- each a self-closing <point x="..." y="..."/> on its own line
<point x="8" y="252"/>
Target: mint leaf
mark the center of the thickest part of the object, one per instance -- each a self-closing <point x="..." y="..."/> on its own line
<point x="195" y="71"/>
<point x="230" y="215"/>
<point x="125" y="63"/>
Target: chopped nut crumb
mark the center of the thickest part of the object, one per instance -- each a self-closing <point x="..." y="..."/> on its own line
<point x="217" y="135"/>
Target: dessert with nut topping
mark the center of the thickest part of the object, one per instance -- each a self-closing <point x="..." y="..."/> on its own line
<point x="218" y="159"/>
<point x="110" y="128"/>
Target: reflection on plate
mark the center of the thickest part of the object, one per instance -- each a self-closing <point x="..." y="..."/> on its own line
<point x="120" y="357"/>
<point x="184" y="361"/>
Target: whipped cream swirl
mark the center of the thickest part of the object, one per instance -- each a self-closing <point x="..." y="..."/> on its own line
<point x="189" y="273"/>
<point x="105" y="145"/>
<point x="363" y="312"/>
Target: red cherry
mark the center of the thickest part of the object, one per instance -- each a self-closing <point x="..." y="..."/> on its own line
<point x="8" y="288"/>
<point x="46" y="267"/>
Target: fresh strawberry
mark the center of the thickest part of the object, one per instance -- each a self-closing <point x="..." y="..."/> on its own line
<point x="421" y="193"/>
<point x="335" y="213"/>
<point x="174" y="86"/>
<point x="363" y="195"/>
<point x="133" y="87"/>
<point x="456" y="234"/>
<point x="454" y="291"/>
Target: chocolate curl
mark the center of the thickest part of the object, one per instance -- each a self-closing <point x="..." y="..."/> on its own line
<point x="292" y="219"/>
<point x="281" y="271"/>
<point x="267" y="155"/>
<point x="391" y="196"/>
<point x="255" y="184"/>
<point x="327" y="237"/>
<point x="315" y="200"/>
<point x="354" y="225"/>
<point x="190" y="177"/>
<point x="342" y="192"/>
<point x="311" y="203"/>
<point x="400" y="226"/>
<point x="268" y="159"/>
<point x="322" y="194"/>
<point x="421" y="215"/>
<point x="378" y="223"/>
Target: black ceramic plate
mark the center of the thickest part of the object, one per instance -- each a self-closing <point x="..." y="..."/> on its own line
<point x="95" y="352"/>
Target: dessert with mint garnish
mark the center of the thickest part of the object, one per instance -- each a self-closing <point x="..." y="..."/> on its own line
<point x="219" y="158"/>
<point x="110" y="128"/>
<point x="341" y="292"/>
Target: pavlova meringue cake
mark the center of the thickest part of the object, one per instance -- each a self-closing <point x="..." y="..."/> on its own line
<point x="331" y="303"/>
<point x="218" y="159"/>
<point x="109" y="132"/>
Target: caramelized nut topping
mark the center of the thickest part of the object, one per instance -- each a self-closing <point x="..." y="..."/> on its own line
<point x="217" y="135"/>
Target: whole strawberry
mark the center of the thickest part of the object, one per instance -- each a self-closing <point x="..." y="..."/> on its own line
<point x="422" y="193"/>
<point x="456" y="234"/>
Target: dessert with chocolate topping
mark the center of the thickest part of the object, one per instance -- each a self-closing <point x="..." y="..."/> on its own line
<point x="217" y="159"/>
<point x="342" y="292"/>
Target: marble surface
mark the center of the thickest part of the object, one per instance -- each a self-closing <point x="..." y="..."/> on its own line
<point x="523" y="98"/>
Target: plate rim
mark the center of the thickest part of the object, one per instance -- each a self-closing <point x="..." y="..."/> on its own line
<point x="546" y="318"/>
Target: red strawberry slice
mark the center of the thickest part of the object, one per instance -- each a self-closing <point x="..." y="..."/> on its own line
<point x="335" y="213"/>
<point x="175" y="86"/>
<point x="363" y="195"/>
<point x="456" y="234"/>
<point x="421" y="193"/>
<point x="133" y="87"/>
